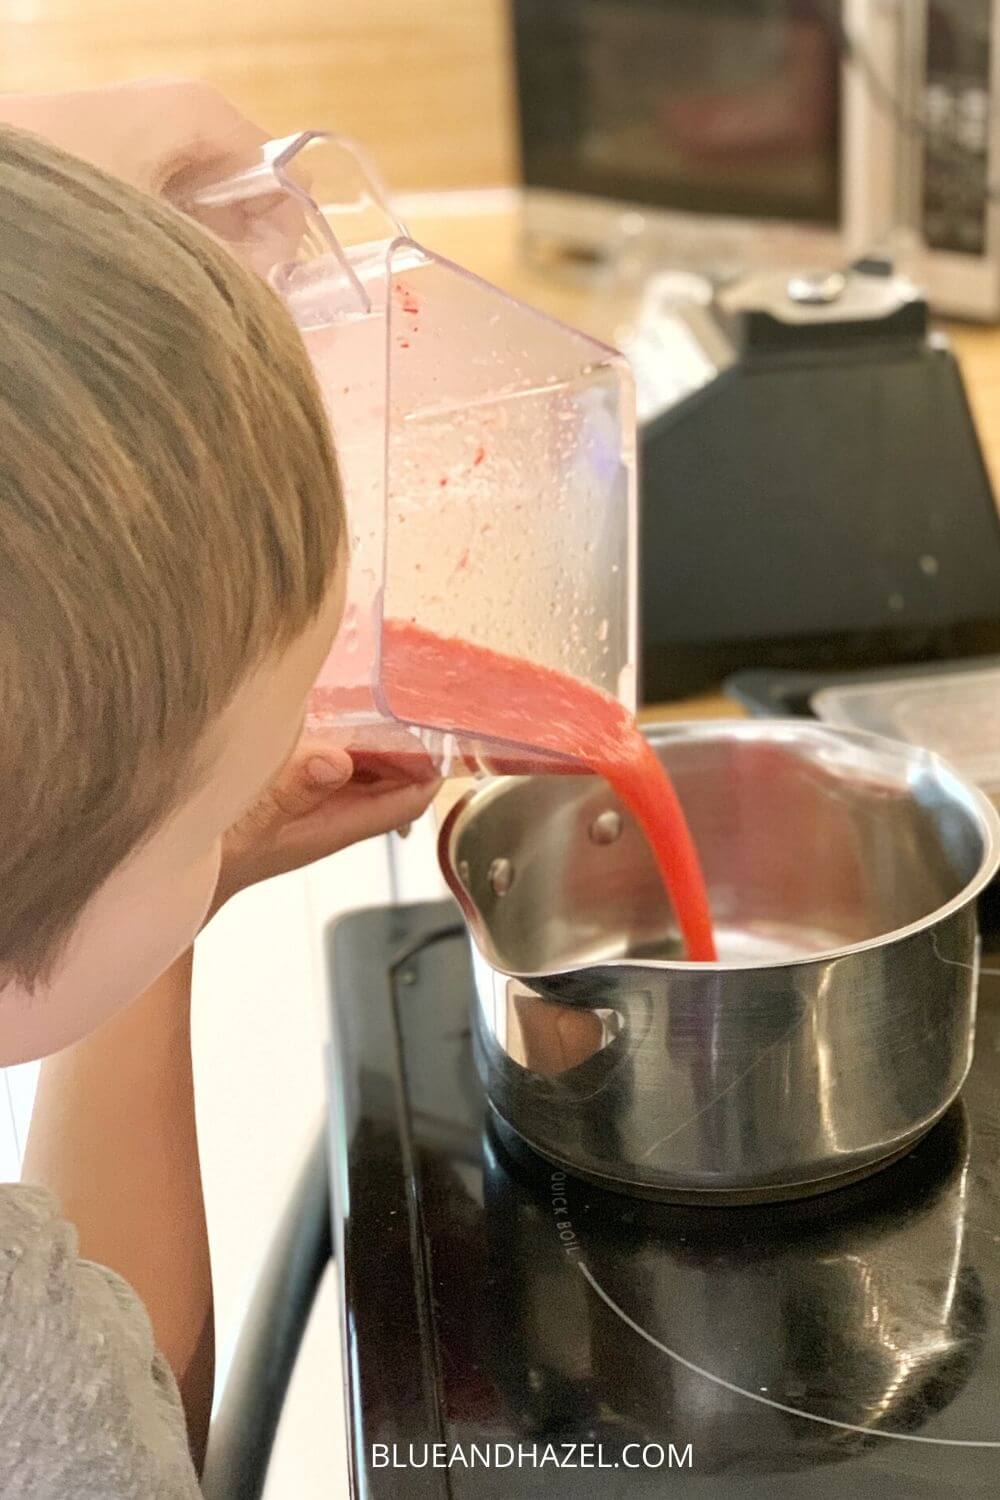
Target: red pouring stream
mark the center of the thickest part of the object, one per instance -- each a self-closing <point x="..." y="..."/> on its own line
<point x="431" y="679"/>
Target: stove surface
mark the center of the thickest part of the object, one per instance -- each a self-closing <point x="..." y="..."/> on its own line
<point x="849" y="1343"/>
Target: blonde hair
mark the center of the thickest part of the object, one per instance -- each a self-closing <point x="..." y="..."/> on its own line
<point x="170" y="514"/>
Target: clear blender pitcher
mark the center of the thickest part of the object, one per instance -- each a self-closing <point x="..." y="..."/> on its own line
<point x="487" y="456"/>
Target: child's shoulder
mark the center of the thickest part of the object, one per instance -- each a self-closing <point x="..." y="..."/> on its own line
<point x="88" y="1406"/>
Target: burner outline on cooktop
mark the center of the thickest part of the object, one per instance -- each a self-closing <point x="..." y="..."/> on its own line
<point x="738" y="1390"/>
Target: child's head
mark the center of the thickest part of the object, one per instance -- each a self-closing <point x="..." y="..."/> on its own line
<point x="171" y="531"/>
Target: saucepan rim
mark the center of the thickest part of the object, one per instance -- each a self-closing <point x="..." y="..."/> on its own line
<point x="773" y="731"/>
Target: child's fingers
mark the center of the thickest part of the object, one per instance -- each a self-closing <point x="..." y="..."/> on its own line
<point x="302" y="786"/>
<point x="376" y="772"/>
<point x="312" y="809"/>
<point x="350" y="815"/>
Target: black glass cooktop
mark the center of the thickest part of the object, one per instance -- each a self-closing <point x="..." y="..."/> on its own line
<point x="845" y="1346"/>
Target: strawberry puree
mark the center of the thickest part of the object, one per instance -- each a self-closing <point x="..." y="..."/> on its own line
<point x="428" y="679"/>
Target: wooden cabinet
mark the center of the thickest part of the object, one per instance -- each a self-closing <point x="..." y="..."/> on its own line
<point x="424" y="83"/>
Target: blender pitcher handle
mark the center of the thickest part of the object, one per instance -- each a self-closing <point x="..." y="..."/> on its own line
<point x="309" y="195"/>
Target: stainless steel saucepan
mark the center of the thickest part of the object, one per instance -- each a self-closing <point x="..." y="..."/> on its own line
<point x="843" y="871"/>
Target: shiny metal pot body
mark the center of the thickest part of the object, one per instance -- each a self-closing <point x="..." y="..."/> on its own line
<point x="842" y="870"/>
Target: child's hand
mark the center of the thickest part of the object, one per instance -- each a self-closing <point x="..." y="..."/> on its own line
<point x="169" y="137"/>
<point x="161" y="134"/>
<point x="312" y="809"/>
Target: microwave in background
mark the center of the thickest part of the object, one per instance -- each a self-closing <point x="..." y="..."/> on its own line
<point x="732" y="135"/>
